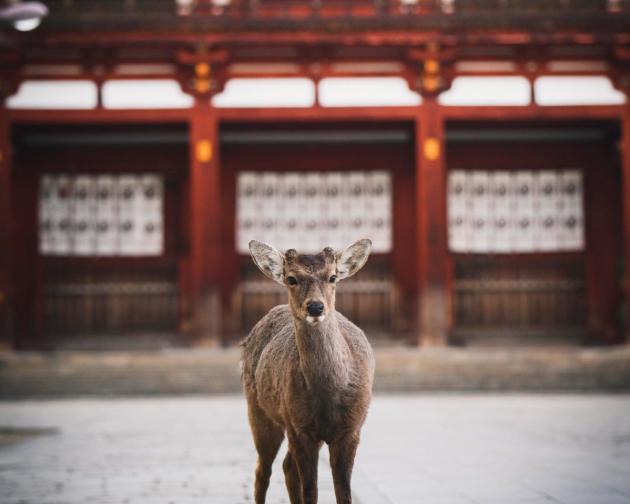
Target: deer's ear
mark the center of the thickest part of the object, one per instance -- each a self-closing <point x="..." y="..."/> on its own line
<point x="351" y="259"/>
<point x="268" y="260"/>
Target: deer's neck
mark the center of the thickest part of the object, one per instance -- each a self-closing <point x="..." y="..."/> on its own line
<point x="324" y="353"/>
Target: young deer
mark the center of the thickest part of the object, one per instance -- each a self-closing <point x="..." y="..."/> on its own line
<point x="307" y="371"/>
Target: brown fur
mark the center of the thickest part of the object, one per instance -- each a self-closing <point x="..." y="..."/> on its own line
<point x="312" y="382"/>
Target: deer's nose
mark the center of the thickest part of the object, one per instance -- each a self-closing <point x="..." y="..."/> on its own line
<point x="315" y="308"/>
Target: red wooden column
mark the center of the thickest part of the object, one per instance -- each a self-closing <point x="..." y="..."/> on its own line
<point x="625" y="174"/>
<point x="6" y="280"/>
<point x="204" y="265"/>
<point x="603" y="205"/>
<point x="202" y="74"/>
<point x="432" y="251"/>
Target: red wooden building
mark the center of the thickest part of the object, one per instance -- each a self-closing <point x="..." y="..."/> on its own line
<point x="488" y="218"/>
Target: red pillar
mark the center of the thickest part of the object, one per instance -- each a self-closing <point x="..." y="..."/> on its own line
<point x="204" y="265"/>
<point x="625" y="175"/>
<point x="432" y="251"/>
<point x="604" y="244"/>
<point x="6" y="292"/>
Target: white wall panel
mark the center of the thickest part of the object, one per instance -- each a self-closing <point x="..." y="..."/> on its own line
<point x="577" y="90"/>
<point x="524" y="211"/>
<point x="520" y="212"/>
<point x="105" y="215"/>
<point x="501" y="211"/>
<point x="490" y="90"/>
<point x="266" y="92"/>
<point x="366" y="92"/>
<point x="54" y="94"/>
<point x="83" y="215"/>
<point x="309" y="211"/>
<point x="458" y="214"/>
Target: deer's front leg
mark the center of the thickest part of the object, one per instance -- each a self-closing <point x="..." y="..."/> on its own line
<point x="305" y="452"/>
<point x="342" y="452"/>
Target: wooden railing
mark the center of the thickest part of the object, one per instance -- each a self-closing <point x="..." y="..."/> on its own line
<point x="493" y="292"/>
<point x="96" y="302"/>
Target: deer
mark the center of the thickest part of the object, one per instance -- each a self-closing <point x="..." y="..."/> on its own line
<point x="307" y="372"/>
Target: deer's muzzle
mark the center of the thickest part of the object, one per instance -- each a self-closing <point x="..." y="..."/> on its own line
<point x="315" y="308"/>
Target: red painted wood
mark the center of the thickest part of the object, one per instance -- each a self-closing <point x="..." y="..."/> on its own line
<point x="431" y="233"/>
<point x="297" y="37"/>
<point x="31" y="269"/>
<point x="229" y="271"/>
<point x="26" y="264"/>
<point x="397" y="158"/>
<point x="98" y="116"/>
<point x="625" y="171"/>
<point x="310" y="114"/>
<point x="533" y="112"/>
<point x="204" y="268"/>
<point x="302" y="66"/>
<point x="604" y="243"/>
<point x="201" y="233"/>
<point x="598" y="162"/>
<point x="6" y="240"/>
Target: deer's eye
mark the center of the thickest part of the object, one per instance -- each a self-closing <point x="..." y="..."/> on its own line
<point x="291" y="280"/>
<point x="333" y="279"/>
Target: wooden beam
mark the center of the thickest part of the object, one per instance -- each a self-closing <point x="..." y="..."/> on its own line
<point x="490" y="26"/>
<point x="317" y="114"/>
<point x="6" y="277"/>
<point x="432" y="251"/>
<point x="98" y="116"/>
<point x="534" y="112"/>
<point x="18" y="116"/>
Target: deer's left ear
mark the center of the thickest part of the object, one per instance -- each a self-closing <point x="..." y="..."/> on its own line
<point x="351" y="259"/>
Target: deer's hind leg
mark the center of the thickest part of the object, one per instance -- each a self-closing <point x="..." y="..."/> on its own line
<point x="292" y="479"/>
<point x="268" y="437"/>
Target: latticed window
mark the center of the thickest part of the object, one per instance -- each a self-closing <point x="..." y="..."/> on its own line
<point x="520" y="211"/>
<point x="310" y="210"/>
<point x="101" y="215"/>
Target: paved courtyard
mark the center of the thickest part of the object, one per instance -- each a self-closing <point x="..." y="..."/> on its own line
<point x="436" y="449"/>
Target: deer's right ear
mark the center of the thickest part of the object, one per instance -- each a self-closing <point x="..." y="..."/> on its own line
<point x="268" y="260"/>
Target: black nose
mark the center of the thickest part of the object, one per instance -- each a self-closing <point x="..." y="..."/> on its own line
<point x="315" y="308"/>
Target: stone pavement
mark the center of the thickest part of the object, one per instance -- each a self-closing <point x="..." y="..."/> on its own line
<point x="398" y="369"/>
<point x="438" y="449"/>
